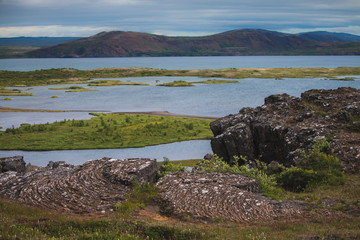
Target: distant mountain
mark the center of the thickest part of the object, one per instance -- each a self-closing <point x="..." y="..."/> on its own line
<point x="236" y="42"/>
<point x="323" y="36"/>
<point x="35" y="41"/>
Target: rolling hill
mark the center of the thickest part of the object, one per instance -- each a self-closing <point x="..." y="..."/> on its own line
<point x="236" y="42"/>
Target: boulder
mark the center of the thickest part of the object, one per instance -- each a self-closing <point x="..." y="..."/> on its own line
<point x="277" y="130"/>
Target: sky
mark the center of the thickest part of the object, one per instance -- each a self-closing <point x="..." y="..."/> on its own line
<point x="82" y="18"/>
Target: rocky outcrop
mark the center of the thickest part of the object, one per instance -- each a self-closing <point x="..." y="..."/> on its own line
<point x="16" y="164"/>
<point x="221" y="196"/>
<point x="277" y="130"/>
<point x="93" y="187"/>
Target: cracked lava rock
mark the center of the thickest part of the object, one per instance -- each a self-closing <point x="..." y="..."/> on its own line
<point x="93" y="187"/>
<point x="222" y="196"/>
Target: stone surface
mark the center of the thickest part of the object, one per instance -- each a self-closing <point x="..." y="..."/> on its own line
<point x="16" y="164"/>
<point x="220" y="196"/>
<point x="276" y="130"/>
<point x="93" y="187"/>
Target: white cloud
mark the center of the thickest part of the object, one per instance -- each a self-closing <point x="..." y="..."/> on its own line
<point x="51" y="31"/>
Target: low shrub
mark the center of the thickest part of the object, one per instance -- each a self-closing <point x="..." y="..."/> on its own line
<point x="317" y="167"/>
<point x="168" y="167"/>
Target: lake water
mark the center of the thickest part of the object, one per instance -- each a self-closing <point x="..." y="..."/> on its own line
<point x="181" y="62"/>
<point x="174" y="151"/>
<point x="209" y="100"/>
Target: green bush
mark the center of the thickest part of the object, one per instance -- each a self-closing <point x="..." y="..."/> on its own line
<point x="168" y="167"/>
<point x="317" y="167"/>
<point x="296" y="179"/>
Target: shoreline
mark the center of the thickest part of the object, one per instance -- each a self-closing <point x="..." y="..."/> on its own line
<point x="153" y="113"/>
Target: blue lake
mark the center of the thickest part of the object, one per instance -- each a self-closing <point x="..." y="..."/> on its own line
<point x="174" y="151"/>
<point x="209" y="100"/>
<point x="181" y="62"/>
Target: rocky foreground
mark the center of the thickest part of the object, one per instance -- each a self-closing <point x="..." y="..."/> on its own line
<point x="96" y="186"/>
<point x="285" y="125"/>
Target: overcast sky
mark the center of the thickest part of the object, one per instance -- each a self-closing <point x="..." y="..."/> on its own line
<point x="59" y="18"/>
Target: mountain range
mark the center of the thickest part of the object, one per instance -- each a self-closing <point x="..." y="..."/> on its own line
<point x="231" y="43"/>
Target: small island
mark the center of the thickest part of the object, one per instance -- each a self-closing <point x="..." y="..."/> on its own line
<point x="110" y="130"/>
<point x="217" y="81"/>
<point x="13" y="92"/>
<point x="179" y="83"/>
<point x="113" y="83"/>
<point x="74" y="89"/>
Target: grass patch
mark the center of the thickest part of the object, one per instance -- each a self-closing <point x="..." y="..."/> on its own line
<point x="217" y="81"/>
<point x="54" y="97"/>
<point x="113" y="83"/>
<point x="13" y="92"/>
<point x="6" y="99"/>
<point x="183" y="163"/>
<point x="139" y="197"/>
<point x="74" y="89"/>
<point x="24" y="222"/>
<point x="179" y="83"/>
<point x="105" y="131"/>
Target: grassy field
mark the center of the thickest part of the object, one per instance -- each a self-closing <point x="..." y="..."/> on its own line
<point x="72" y="76"/>
<point x="105" y="131"/>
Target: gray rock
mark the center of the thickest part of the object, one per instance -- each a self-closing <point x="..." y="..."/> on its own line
<point x="285" y="124"/>
<point x="16" y="164"/>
